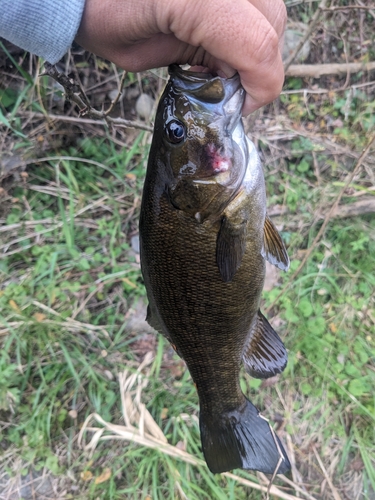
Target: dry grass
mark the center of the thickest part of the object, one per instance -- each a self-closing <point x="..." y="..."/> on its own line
<point x="310" y="140"/>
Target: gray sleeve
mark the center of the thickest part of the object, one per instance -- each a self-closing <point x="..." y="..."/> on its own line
<point x="44" y="27"/>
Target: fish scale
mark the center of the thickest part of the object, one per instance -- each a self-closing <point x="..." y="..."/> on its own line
<point x="203" y="252"/>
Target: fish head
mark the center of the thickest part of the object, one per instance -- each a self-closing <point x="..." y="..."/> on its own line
<point x="203" y="141"/>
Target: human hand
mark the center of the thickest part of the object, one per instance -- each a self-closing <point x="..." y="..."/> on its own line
<point x="222" y="35"/>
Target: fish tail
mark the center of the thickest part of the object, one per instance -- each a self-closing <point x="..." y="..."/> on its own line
<point x="241" y="438"/>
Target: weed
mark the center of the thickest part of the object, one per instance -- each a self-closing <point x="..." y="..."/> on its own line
<point x="69" y="279"/>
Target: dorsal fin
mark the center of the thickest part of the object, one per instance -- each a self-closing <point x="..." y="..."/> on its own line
<point x="273" y="246"/>
<point x="265" y="356"/>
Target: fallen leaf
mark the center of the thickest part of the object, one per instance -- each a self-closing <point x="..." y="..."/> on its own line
<point x="104" y="476"/>
<point x="131" y="177"/>
<point x="164" y="413"/>
<point x="333" y="328"/>
<point x="14" y="306"/>
<point x="86" y="475"/>
<point x="39" y="317"/>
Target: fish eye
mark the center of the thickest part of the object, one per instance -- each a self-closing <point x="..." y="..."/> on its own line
<point x="175" y="131"/>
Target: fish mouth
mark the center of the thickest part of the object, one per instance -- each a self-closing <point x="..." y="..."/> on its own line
<point x="208" y="88"/>
<point x="174" y="70"/>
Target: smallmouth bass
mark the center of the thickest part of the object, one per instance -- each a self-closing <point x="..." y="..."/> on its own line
<point x="204" y="237"/>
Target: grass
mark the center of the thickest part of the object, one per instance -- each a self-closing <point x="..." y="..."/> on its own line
<point x="70" y="285"/>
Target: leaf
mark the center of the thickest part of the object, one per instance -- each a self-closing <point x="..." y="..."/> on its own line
<point x="86" y="475"/>
<point x="104" y="476"/>
<point x="52" y="464"/>
<point x="305" y="307"/>
<point x="303" y="166"/>
<point x="14" y="306"/>
<point x="358" y="387"/>
<point x="39" y="317"/>
<point x="306" y="388"/>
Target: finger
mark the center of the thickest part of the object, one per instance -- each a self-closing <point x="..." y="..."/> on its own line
<point x="275" y="13"/>
<point x="240" y="36"/>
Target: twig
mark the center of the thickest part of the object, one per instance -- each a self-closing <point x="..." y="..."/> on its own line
<point x="372" y="12"/>
<point x="298" y="488"/>
<point x="314" y="21"/>
<point x="326" y="220"/>
<point x="349" y="7"/>
<point x="75" y="93"/>
<point x="317" y="70"/>
<point x="119" y="122"/>
<point x="326" y="91"/>
<point x="335" y="493"/>
<point x="115" y="100"/>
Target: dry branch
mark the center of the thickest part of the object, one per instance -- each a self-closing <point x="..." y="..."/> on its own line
<point x="314" y="21"/>
<point x="361" y="207"/>
<point x="119" y="122"/>
<point x="354" y="209"/>
<point x="76" y="94"/>
<point x="318" y="70"/>
<point x="349" y="7"/>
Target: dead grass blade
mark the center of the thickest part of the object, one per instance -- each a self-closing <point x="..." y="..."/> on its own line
<point x="141" y="428"/>
<point x="335" y="493"/>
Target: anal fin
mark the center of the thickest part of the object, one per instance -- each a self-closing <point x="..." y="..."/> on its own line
<point x="265" y="356"/>
<point x="273" y="246"/>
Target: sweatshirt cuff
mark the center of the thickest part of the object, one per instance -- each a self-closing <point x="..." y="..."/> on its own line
<point x="45" y="28"/>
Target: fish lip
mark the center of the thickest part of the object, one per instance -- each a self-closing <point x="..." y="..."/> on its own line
<point x="190" y="82"/>
<point x="174" y="70"/>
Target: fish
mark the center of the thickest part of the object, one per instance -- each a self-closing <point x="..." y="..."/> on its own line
<point x="204" y="240"/>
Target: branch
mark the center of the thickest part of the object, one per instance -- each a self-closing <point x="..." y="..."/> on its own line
<point x="317" y="70"/>
<point x="76" y="94"/>
<point x="361" y="7"/>
<point x="314" y="21"/>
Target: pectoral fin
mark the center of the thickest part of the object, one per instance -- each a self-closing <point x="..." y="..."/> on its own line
<point x="273" y="247"/>
<point x="230" y="247"/>
<point x="265" y="355"/>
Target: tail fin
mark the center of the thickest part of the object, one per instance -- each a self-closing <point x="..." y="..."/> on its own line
<point x="241" y="439"/>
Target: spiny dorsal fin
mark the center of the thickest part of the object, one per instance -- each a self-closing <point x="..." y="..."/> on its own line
<point x="273" y="246"/>
<point x="265" y="355"/>
<point x="230" y="248"/>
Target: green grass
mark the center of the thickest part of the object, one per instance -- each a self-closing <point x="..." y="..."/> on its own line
<point x="68" y="278"/>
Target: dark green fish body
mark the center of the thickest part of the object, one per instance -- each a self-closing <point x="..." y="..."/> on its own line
<point x="204" y="239"/>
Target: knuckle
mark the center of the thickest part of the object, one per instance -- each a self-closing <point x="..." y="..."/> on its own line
<point x="268" y="49"/>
